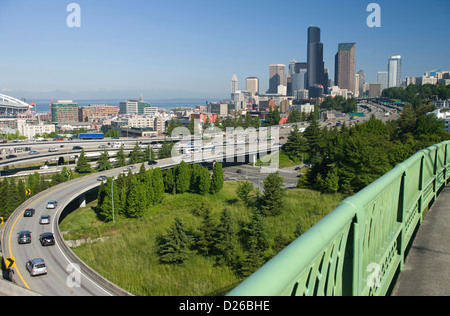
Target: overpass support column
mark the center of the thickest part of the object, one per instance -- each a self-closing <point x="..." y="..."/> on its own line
<point x="253" y="159"/>
<point x="82" y="200"/>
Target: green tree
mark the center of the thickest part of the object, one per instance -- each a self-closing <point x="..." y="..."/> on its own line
<point x="103" y="162"/>
<point x="136" y="155"/>
<point x="166" y="150"/>
<point x="204" y="182"/>
<point x="272" y="200"/>
<point x="296" y="144"/>
<point x="206" y="237"/>
<point x="217" y="179"/>
<point x="257" y="244"/>
<point x="121" y="159"/>
<point x="158" y="186"/>
<point x="83" y="165"/>
<point x="106" y="207"/>
<point x="182" y="178"/>
<point x="226" y="239"/>
<point x="136" y="205"/>
<point x="169" y="181"/>
<point x="175" y="246"/>
<point x="331" y="183"/>
<point x="243" y="191"/>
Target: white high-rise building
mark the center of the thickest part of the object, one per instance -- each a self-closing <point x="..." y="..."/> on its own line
<point x="234" y="84"/>
<point x="383" y="79"/>
<point x="395" y="71"/>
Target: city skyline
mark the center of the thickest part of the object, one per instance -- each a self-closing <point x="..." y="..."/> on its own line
<point x="186" y="50"/>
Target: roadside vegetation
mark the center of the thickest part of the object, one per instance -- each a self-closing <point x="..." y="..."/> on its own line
<point x="193" y="244"/>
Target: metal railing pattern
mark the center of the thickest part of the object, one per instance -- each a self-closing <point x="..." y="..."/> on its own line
<point x="359" y="248"/>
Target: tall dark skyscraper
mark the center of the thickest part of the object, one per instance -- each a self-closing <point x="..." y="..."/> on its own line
<point x="316" y="66"/>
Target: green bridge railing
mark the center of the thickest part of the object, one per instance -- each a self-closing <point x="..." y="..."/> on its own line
<point x="360" y="247"/>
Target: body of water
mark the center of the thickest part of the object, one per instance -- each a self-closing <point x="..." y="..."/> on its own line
<point x="42" y="106"/>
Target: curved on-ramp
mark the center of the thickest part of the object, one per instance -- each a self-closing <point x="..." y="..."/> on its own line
<point x="67" y="274"/>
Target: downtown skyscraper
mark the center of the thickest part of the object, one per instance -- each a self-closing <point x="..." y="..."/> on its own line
<point x="345" y="67"/>
<point x="316" y="65"/>
<point x="395" y="71"/>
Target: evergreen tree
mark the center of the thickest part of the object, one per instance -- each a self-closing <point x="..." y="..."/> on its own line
<point x="257" y="244"/>
<point x="272" y="200"/>
<point x="331" y="183"/>
<point x="243" y="191"/>
<point x="166" y="150"/>
<point x="106" y="208"/>
<point x="103" y="162"/>
<point x="182" y="178"/>
<point x="158" y="186"/>
<point x="121" y="159"/>
<point x="136" y="205"/>
<point x="226" y="239"/>
<point x="136" y="155"/>
<point x="207" y="229"/>
<point x="169" y="182"/>
<point x="204" y="181"/>
<point x="147" y="154"/>
<point x="83" y="165"/>
<point x="217" y="179"/>
<point x="174" y="247"/>
<point x="296" y="144"/>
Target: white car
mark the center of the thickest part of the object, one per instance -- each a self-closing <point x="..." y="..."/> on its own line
<point x="36" y="267"/>
<point x="52" y="205"/>
<point x="44" y="220"/>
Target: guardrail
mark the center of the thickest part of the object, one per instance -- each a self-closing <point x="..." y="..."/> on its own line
<point x="360" y="247"/>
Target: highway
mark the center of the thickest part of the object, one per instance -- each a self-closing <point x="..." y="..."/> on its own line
<point x="59" y="258"/>
<point x="62" y="279"/>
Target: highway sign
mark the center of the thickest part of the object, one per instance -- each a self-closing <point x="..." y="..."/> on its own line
<point x="10" y="263"/>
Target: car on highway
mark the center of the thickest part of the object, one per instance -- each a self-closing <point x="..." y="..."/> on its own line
<point x="45" y="167"/>
<point x="77" y="148"/>
<point x="29" y="212"/>
<point x="44" y="220"/>
<point x="102" y="178"/>
<point x="52" y="150"/>
<point x="24" y="237"/>
<point x="102" y="146"/>
<point x="152" y="163"/>
<point x="47" y="239"/>
<point x="11" y="156"/>
<point x="33" y="152"/>
<point x="52" y="205"/>
<point x="36" y="267"/>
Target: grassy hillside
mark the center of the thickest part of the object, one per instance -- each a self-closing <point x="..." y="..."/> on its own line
<point x="129" y="257"/>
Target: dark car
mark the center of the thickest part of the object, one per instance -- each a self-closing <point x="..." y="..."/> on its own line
<point x="29" y="212"/>
<point x="152" y="163"/>
<point x="47" y="239"/>
<point x="77" y="148"/>
<point x="24" y="237"/>
<point x="11" y="156"/>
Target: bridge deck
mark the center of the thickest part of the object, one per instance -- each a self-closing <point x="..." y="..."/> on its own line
<point x="427" y="268"/>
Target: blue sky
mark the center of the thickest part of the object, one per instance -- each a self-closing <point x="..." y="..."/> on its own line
<point x="192" y="48"/>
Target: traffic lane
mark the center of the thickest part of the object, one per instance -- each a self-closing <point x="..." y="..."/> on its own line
<point x="256" y="177"/>
<point x="55" y="282"/>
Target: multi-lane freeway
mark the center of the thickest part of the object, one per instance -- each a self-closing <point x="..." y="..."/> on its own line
<point x="67" y="274"/>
